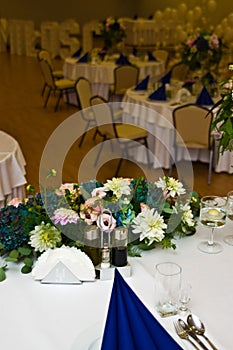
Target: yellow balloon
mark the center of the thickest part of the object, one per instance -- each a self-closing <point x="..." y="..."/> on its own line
<point x="228" y="34"/>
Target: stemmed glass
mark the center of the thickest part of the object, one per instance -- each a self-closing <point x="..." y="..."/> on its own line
<point x="212" y="215"/>
<point x="184" y="298"/>
<point x="229" y="238"/>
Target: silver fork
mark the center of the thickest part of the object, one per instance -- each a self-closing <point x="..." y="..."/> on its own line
<point x="182" y="333"/>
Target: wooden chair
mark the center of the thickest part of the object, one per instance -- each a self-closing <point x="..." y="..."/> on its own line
<point x="62" y="86"/>
<point x="108" y="129"/>
<point x="192" y="125"/>
<point x="124" y="78"/>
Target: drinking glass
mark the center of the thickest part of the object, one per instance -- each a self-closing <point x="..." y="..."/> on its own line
<point x="167" y="287"/>
<point x="229" y="238"/>
<point x="212" y="215"/>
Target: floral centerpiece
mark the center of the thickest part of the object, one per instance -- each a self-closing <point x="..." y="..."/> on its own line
<point x="153" y="212"/>
<point x="202" y="51"/>
<point x="113" y="31"/>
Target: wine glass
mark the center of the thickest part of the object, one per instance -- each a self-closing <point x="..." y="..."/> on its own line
<point x="212" y="215"/>
<point x="229" y="238"/>
<point x="184" y="298"/>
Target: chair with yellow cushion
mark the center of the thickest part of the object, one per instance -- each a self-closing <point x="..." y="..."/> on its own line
<point x="192" y="125"/>
<point x="125" y="77"/>
<point x="62" y="86"/>
<point x="45" y="55"/>
<point x="127" y="136"/>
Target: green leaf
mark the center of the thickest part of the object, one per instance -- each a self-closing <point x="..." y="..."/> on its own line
<point x="14" y="254"/>
<point x="24" y="251"/>
<point x="11" y="259"/>
<point x="26" y="269"/>
<point x="28" y="262"/>
<point x="2" y="274"/>
<point x="134" y="250"/>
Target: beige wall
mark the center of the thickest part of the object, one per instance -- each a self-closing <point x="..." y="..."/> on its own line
<point x="85" y="10"/>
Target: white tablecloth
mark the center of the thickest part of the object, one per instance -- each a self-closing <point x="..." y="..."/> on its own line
<point x="156" y="117"/>
<point x="12" y="168"/>
<point x="101" y="75"/>
<point x="39" y="316"/>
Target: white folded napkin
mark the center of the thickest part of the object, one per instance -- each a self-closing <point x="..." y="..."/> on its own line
<point x="182" y="95"/>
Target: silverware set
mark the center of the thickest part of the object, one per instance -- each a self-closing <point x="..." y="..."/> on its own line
<point x="191" y="330"/>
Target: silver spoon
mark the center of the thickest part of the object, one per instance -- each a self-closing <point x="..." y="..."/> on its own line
<point x="198" y="327"/>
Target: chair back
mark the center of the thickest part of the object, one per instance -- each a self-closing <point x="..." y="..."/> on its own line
<point x="179" y="72"/>
<point x="193" y="126"/>
<point x="45" y="55"/>
<point x="124" y="78"/>
<point x="104" y="117"/>
<point x="84" y="93"/>
<point x="161" y="55"/>
<point x="47" y="73"/>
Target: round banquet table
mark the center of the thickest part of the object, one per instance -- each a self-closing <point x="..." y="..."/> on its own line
<point x="70" y="317"/>
<point x="101" y="75"/>
<point x="156" y="117"/>
<point x="12" y="169"/>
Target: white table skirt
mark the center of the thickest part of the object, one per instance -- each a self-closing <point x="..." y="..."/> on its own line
<point x="156" y="117"/>
<point x="39" y="316"/>
<point x="101" y="75"/>
<point x="12" y="169"/>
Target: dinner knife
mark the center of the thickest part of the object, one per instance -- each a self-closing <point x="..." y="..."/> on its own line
<point x="191" y="333"/>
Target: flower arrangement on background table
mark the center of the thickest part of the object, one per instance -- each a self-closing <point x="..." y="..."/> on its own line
<point x="112" y="30"/>
<point x="153" y="212"/>
<point x="202" y="51"/>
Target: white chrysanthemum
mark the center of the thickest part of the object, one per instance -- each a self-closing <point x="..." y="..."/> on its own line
<point x="150" y="225"/>
<point x="119" y="186"/>
<point x="173" y="186"/>
<point x="187" y="217"/>
<point x="44" y="236"/>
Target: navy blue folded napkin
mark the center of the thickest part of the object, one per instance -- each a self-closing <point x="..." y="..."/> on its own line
<point x="77" y="53"/>
<point x="84" y="58"/>
<point x="143" y="84"/>
<point x="166" y="78"/>
<point x="204" y="98"/>
<point x="130" y="325"/>
<point x="135" y="16"/>
<point x="123" y="60"/>
<point x="159" y="94"/>
<point x="135" y="51"/>
<point x="151" y="57"/>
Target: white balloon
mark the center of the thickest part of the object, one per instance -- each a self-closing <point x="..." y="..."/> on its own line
<point x="182" y="9"/>
<point x="197" y="11"/>
<point x="228" y="34"/>
<point x="182" y="35"/>
<point x="190" y="17"/>
<point x="211" y="5"/>
<point x="158" y="14"/>
<point x="230" y="19"/>
<point x="219" y="30"/>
